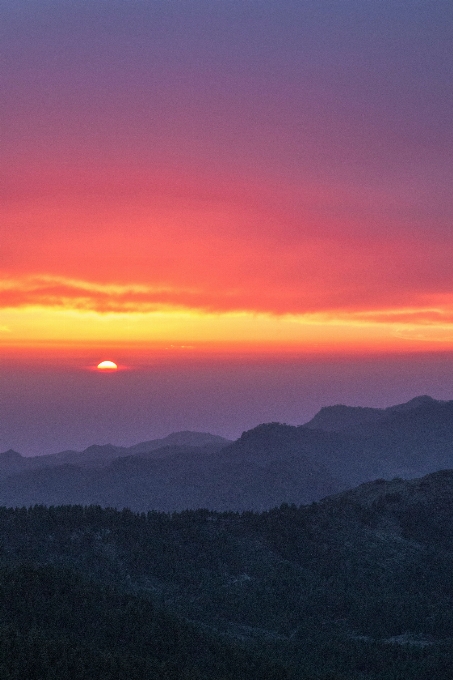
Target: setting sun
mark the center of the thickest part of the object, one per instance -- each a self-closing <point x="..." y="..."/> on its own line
<point x="107" y="366"/>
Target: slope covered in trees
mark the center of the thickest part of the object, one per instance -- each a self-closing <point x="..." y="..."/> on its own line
<point x="356" y="586"/>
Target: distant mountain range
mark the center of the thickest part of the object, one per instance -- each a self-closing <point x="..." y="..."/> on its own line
<point x="99" y="455"/>
<point x="271" y="464"/>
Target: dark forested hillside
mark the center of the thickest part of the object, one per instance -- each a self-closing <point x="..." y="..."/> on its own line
<point x="356" y="586"/>
<point x="56" y="624"/>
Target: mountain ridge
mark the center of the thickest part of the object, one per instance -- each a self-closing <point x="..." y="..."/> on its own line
<point x="270" y="464"/>
<point x="98" y="454"/>
<point x="341" y="417"/>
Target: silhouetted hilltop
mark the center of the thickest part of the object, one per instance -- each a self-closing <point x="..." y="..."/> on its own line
<point x="340" y="417"/>
<point x="422" y="400"/>
<point x="95" y="454"/>
<point x="184" y="438"/>
<point x="10" y="462"/>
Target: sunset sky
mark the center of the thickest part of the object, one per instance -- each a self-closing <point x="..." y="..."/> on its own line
<point x="221" y="183"/>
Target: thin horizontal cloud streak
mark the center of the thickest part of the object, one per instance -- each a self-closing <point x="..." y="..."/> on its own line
<point x="57" y="293"/>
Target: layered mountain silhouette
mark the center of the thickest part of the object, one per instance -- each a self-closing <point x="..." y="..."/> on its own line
<point x="271" y="464"/>
<point x="185" y="478"/>
<point x="99" y="455"/>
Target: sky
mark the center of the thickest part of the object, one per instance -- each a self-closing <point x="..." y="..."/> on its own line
<point x="246" y="204"/>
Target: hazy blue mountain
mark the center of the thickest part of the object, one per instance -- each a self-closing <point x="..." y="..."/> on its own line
<point x="184" y="438"/>
<point x="409" y="441"/>
<point x="10" y="462"/>
<point x="186" y="477"/>
<point x="422" y="400"/>
<point x="268" y="465"/>
<point x="340" y="417"/>
<point x="99" y="455"/>
<point x="96" y="454"/>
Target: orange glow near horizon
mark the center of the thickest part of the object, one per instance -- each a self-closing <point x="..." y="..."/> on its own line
<point x="192" y="332"/>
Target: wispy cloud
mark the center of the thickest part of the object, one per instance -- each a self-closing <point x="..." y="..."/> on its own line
<point x="57" y="292"/>
<point x="65" y="293"/>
